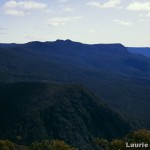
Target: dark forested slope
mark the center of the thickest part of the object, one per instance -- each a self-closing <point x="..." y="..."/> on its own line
<point x="35" y="111"/>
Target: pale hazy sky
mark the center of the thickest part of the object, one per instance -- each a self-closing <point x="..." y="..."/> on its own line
<point x="87" y="21"/>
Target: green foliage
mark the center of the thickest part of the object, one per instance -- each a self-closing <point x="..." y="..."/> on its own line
<point x="8" y="145"/>
<point x="60" y="145"/>
<point x="120" y="144"/>
<point x="98" y="144"/>
<point x="51" y="145"/>
<point x="44" y="145"/>
<point x="139" y="136"/>
<point x="117" y="145"/>
<point x="101" y="143"/>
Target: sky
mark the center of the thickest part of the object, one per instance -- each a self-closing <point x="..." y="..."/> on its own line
<point x="86" y="21"/>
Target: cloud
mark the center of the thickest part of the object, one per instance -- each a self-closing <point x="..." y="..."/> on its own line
<point x="3" y="30"/>
<point x="14" y="12"/>
<point x="59" y="21"/>
<point x="123" y="23"/>
<point x="68" y="9"/>
<point x="148" y="15"/>
<point x="139" y="6"/>
<point x="25" y="5"/>
<point x="108" y="4"/>
<point x="92" y="30"/>
<point x="19" y="8"/>
<point x="63" y="1"/>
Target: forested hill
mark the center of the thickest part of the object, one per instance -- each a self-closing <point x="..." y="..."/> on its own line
<point x="121" y="78"/>
<point x="49" y="60"/>
<point x="140" y="50"/>
<point x="35" y="111"/>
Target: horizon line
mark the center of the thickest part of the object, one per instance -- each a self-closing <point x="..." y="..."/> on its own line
<point x="74" y="42"/>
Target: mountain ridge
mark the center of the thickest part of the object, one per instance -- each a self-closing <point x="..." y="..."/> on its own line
<point x="140" y="50"/>
<point x="113" y="73"/>
<point x="87" y="55"/>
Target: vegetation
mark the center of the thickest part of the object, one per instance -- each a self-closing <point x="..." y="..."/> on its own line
<point x="36" y="111"/>
<point x="32" y="109"/>
<point x="133" y="137"/>
<point x="120" y="78"/>
<point x="98" y="143"/>
<point x="51" y="145"/>
<point x="44" y="145"/>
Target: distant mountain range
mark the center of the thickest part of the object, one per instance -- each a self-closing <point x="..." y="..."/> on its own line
<point x="140" y="50"/>
<point x="69" y="55"/>
<point x="111" y="71"/>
